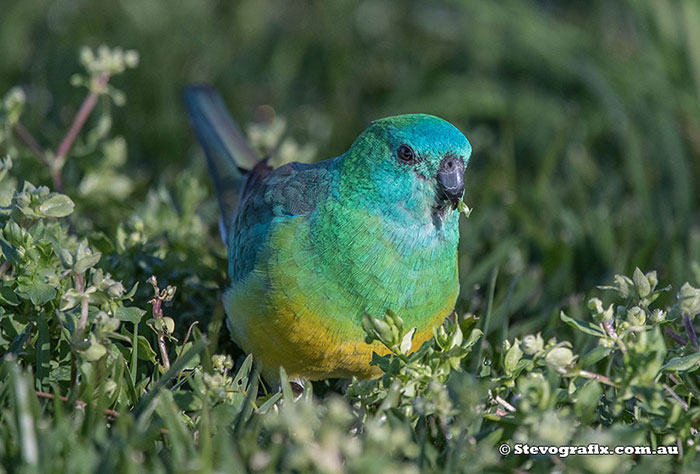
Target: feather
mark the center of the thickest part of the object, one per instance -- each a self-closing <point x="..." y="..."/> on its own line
<point x="229" y="156"/>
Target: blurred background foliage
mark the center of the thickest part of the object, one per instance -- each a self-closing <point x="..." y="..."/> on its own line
<point x="584" y="116"/>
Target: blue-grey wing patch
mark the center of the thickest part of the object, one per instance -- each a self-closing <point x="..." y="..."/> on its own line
<point x="291" y="190"/>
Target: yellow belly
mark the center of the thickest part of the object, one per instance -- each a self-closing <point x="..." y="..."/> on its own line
<point x="309" y="346"/>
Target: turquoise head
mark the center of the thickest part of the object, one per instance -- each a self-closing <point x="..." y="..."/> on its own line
<point x="408" y="168"/>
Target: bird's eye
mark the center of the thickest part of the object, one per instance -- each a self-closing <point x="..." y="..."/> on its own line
<point x="406" y="153"/>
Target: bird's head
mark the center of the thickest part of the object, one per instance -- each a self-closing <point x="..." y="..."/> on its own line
<point x="409" y="167"/>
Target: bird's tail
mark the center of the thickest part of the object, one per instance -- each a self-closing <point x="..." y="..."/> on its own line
<point x="228" y="154"/>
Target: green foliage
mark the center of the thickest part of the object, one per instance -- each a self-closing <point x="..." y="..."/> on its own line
<point x="584" y="119"/>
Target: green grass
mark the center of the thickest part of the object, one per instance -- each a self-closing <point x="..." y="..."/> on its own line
<point x="584" y="119"/>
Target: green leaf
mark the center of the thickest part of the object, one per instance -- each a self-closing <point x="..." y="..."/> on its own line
<point x="512" y="358"/>
<point x="9" y="252"/>
<point x="130" y="294"/>
<point x="86" y="262"/>
<point x="559" y="357"/>
<point x="463" y="208"/>
<point x="241" y="378"/>
<point x="269" y="403"/>
<point x="145" y="350"/>
<point x="588" y="398"/>
<point x="587" y="328"/>
<point x="186" y="400"/>
<point x="407" y="341"/>
<point x="689" y="300"/>
<point x="595" y="355"/>
<point x="131" y="314"/>
<point x="682" y="364"/>
<point x="225" y="415"/>
<point x="474" y="336"/>
<point x="8" y="296"/>
<point x="94" y="352"/>
<point x="286" y="386"/>
<point x="641" y="282"/>
<point x="57" y="205"/>
<point x="20" y="341"/>
<point x="623" y="285"/>
<point x="40" y="293"/>
<point x="457" y="337"/>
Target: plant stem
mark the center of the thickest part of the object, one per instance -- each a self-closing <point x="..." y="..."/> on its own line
<point x="77" y="125"/>
<point x="505" y="404"/>
<point x="676" y="397"/>
<point x="82" y="404"/>
<point x="56" y="165"/>
<point x="187" y="336"/>
<point x="676" y="337"/>
<point x="158" y="314"/>
<point x="80" y="118"/>
<point x="80" y="330"/>
<point x="690" y="330"/>
<point x="610" y="329"/>
<point x="83" y="305"/>
<point x="599" y="377"/>
<point x="135" y="354"/>
<point x="31" y="143"/>
<point x="163" y="351"/>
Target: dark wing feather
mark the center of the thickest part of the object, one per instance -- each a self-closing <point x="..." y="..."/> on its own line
<point x="292" y="190"/>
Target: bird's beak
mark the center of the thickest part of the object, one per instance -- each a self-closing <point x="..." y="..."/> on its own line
<point x="450" y="178"/>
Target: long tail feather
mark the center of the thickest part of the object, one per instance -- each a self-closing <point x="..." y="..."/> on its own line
<point x="228" y="154"/>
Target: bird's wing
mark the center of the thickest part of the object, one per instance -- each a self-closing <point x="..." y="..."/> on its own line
<point x="290" y="191"/>
<point x="251" y="194"/>
<point x="228" y="154"/>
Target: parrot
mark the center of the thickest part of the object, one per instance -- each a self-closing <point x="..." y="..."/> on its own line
<point x="312" y="248"/>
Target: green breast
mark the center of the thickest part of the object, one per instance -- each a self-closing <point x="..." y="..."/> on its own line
<point x="302" y="305"/>
<point x="358" y="262"/>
